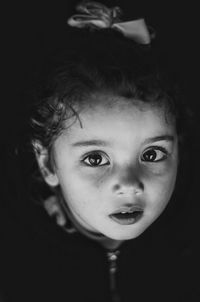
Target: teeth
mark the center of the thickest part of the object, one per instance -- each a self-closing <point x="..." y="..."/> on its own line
<point x="127" y="212"/>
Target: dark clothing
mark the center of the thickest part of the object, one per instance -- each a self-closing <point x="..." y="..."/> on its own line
<point x="49" y="265"/>
<point x="41" y="262"/>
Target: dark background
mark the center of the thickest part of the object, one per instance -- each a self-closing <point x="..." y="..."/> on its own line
<point x="32" y="30"/>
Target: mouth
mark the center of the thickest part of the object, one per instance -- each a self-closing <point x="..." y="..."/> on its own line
<point x="127" y="216"/>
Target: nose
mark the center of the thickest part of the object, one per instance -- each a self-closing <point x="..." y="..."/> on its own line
<point x="129" y="182"/>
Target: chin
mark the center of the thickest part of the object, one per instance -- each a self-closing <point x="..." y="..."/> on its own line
<point x="125" y="235"/>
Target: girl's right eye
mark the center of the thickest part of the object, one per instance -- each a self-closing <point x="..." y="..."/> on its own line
<point x="95" y="160"/>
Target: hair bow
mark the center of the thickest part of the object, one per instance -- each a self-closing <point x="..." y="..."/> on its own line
<point x="97" y="15"/>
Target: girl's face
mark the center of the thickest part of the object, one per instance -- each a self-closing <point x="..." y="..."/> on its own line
<point x="117" y="173"/>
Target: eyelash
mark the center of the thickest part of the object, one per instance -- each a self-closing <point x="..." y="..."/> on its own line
<point x="102" y="155"/>
<point x="156" y="148"/>
<point x="92" y="154"/>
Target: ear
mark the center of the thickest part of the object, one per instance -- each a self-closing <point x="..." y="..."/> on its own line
<point x="42" y="157"/>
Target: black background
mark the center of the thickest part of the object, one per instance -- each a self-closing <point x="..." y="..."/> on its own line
<point x="32" y="29"/>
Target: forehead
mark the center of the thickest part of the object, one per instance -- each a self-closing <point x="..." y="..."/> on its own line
<point x="109" y="116"/>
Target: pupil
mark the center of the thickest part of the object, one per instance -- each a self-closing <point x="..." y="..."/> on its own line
<point x="95" y="159"/>
<point x="150" y="155"/>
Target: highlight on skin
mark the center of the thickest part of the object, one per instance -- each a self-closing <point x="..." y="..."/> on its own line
<point x="123" y="160"/>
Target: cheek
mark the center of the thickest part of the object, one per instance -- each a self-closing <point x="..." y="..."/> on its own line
<point x="160" y="182"/>
<point x="92" y="180"/>
<point x="165" y="170"/>
<point x="160" y="189"/>
<point x="79" y="187"/>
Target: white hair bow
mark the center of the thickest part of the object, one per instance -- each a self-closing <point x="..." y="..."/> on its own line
<point x="97" y="15"/>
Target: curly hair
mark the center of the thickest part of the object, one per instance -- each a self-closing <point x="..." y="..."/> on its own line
<point x="100" y="62"/>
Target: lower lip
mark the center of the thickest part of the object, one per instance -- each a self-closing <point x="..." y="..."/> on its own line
<point x="124" y="219"/>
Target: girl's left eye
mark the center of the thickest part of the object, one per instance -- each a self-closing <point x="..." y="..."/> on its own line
<point x="155" y="154"/>
<point x="95" y="160"/>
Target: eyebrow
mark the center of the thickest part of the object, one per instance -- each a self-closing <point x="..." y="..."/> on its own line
<point x="98" y="142"/>
<point x="93" y="142"/>
<point x="160" y="138"/>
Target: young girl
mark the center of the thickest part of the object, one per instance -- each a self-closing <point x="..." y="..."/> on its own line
<point x="107" y="130"/>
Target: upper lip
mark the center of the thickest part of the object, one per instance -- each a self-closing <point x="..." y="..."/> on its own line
<point x="128" y="209"/>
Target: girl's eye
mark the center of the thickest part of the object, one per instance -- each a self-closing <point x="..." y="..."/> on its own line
<point x="154" y="155"/>
<point x="95" y="160"/>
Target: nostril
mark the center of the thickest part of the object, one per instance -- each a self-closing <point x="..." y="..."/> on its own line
<point x="128" y="181"/>
<point x="128" y="190"/>
<point x="138" y="190"/>
<point x="116" y="187"/>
